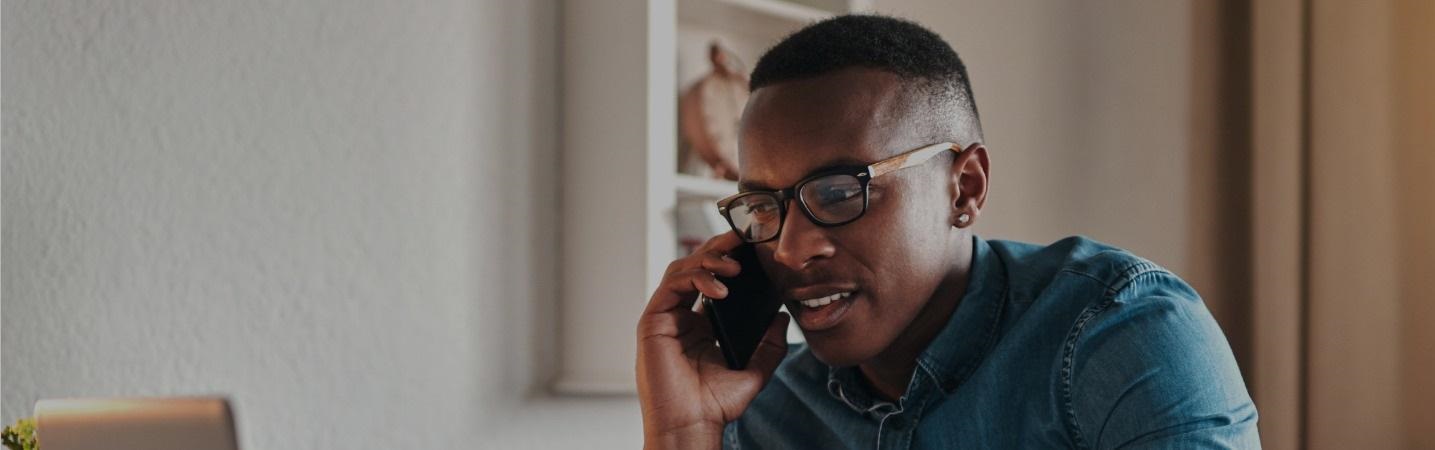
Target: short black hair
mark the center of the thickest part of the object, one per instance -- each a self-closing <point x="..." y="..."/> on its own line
<point x="912" y="52"/>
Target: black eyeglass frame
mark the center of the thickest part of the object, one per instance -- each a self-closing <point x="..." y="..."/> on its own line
<point x="864" y="175"/>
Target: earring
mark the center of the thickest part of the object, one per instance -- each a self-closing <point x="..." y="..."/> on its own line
<point x="964" y="218"/>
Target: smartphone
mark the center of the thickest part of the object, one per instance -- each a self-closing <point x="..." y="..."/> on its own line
<point x="741" y="319"/>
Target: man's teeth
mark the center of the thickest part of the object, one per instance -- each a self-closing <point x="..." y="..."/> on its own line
<point x="820" y="301"/>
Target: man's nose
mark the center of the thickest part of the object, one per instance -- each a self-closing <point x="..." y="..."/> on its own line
<point x="801" y="241"/>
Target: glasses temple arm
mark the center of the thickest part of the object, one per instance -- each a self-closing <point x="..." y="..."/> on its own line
<point x="909" y="159"/>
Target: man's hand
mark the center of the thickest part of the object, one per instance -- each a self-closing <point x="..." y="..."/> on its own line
<point x="685" y="388"/>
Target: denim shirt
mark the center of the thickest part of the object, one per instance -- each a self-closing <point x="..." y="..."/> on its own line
<point x="1073" y="345"/>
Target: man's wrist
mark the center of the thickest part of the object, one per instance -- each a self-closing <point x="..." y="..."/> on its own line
<point x="702" y="435"/>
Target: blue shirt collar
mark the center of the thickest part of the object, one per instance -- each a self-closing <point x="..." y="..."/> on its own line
<point x="974" y="327"/>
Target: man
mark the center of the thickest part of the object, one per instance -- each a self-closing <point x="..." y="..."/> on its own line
<point x="919" y="333"/>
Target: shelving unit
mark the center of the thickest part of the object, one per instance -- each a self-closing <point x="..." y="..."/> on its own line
<point x="695" y="186"/>
<point x="625" y="63"/>
<point x="795" y="12"/>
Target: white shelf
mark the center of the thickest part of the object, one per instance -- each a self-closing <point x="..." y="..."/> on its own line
<point x="768" y="20"/>
<point x="695" y="186"/>
<point x="781" y="9"/>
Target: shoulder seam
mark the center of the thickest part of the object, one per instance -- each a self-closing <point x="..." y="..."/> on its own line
<point x="1069" y="409"/>
<point x="1114" y="288"/>
<point x="1115" y="283"/>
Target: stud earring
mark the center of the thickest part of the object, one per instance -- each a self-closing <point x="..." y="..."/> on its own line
<point x="964" y="218"/>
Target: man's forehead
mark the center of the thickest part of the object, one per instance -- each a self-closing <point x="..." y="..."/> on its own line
<point x="791" y="129"/>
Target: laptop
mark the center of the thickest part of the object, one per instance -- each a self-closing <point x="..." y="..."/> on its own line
<point x="198" y="423"/>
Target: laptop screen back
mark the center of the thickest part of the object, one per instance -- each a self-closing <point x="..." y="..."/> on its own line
<point x="124" y="424"/>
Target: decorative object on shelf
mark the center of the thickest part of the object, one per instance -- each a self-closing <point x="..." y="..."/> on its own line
<point x="708" y="115"/>
<point x="20" y="436"/>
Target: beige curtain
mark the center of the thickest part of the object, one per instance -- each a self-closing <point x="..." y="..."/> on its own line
<point x="1342" y="346"/>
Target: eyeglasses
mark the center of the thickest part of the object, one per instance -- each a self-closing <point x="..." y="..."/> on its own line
<point x="829" y="198"/>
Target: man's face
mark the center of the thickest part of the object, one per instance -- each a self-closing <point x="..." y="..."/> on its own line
<point x="892" y="258"/>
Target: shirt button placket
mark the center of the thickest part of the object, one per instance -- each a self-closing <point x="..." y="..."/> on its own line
<point x="895" y="431"/>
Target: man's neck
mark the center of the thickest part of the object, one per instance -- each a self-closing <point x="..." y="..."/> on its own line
<point x="889" y="373"/>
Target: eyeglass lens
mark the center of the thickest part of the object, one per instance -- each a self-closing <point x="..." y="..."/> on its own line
<point x="829" y="200"/>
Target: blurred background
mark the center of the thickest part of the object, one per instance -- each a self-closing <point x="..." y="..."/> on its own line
<point x="432" y="225"/>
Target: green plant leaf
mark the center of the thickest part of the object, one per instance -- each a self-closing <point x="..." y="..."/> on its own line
<point x="20" y="436"/>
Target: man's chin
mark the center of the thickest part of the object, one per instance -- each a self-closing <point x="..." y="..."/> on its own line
<point x="837" y="352"/>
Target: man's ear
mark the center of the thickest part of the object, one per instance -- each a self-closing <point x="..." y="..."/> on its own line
<point x="968" y="184"/>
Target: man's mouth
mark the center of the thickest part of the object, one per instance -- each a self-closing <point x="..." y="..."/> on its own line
<point x="822" y="312"/>
<point x="823" y="301"/>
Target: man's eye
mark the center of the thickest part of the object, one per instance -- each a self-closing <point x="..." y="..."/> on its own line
<point x="763" y="210"/>
<point x="833" y="194"/>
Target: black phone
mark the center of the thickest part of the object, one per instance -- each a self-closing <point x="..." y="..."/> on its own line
<point x="741" y="319"/>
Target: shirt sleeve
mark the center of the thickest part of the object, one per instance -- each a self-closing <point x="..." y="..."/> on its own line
<point x="729" y="436"/>
<point x="1150" y="368"/>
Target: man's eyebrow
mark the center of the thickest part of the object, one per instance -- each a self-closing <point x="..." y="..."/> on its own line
<point x="845" y="161"/>
<point x="744" y="186"/>
<point x="749" y="185"/>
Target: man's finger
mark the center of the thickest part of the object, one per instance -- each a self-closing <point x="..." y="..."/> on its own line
<point x="674" y="291"/>
<point x="719" y="263"/>
<point x="665" y="299"/>
<point x="722" y="243"/>
<point x="772" y="349"/>
<point x="674" y="324"/>
<point x="682" y="287"/>
<point x="698" y="328"/>
<point x="697" y="280"/>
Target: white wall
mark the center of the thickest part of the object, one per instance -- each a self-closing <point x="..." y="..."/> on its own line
<point x="338" y="213"/>
<point x="1086" y="109"/>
